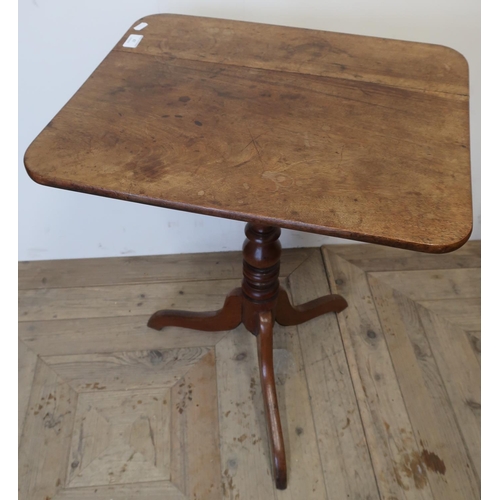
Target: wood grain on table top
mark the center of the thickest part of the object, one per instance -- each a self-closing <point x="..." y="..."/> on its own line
<point x="351" y="136"/>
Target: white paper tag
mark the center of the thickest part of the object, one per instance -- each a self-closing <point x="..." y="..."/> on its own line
<point x="133" y="41"/>
<point x="140" y="26"/>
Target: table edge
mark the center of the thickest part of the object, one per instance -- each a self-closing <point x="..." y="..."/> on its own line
<point x="232" y="215"/>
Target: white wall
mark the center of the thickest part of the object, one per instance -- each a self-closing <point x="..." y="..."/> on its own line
<point x="61" y="42"/>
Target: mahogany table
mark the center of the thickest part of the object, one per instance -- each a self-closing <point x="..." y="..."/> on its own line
<point x="350" y="136"/>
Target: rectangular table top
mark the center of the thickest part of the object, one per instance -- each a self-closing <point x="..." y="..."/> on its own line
<point x="350" y="136"/>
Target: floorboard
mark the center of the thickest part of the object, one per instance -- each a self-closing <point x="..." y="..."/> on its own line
<point x="381" y="401"/>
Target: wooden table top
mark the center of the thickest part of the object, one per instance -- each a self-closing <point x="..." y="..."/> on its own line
<point x="350" y="136"/>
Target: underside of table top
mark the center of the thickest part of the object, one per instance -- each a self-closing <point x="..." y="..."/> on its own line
<point x="350" y="136"/>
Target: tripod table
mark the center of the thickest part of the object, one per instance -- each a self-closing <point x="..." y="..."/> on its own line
<point x="350" y="136"/>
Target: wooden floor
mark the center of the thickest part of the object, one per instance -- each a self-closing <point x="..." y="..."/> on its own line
<point x="382" y="401"/>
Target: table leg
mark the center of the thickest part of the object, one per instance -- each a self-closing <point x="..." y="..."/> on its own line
<point x="265" y="350"/>
<point x="288" y="315"/>
<point x="227" y="318"/>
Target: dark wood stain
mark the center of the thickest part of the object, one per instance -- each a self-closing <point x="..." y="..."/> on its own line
<point x="433" y="462"/>
<point x="413" y="468"/>
<point x="415" y="465"/>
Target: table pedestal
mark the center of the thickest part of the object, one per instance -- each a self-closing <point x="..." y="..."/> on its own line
<point x="258" y="303"/>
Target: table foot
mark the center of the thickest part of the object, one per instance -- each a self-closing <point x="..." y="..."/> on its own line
<point x="227" y="318"/>
<point x="265" y="350"/>
<point x="288" y="315"/>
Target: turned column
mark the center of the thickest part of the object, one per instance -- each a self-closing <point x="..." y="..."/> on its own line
<point x="261" y="268"/>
